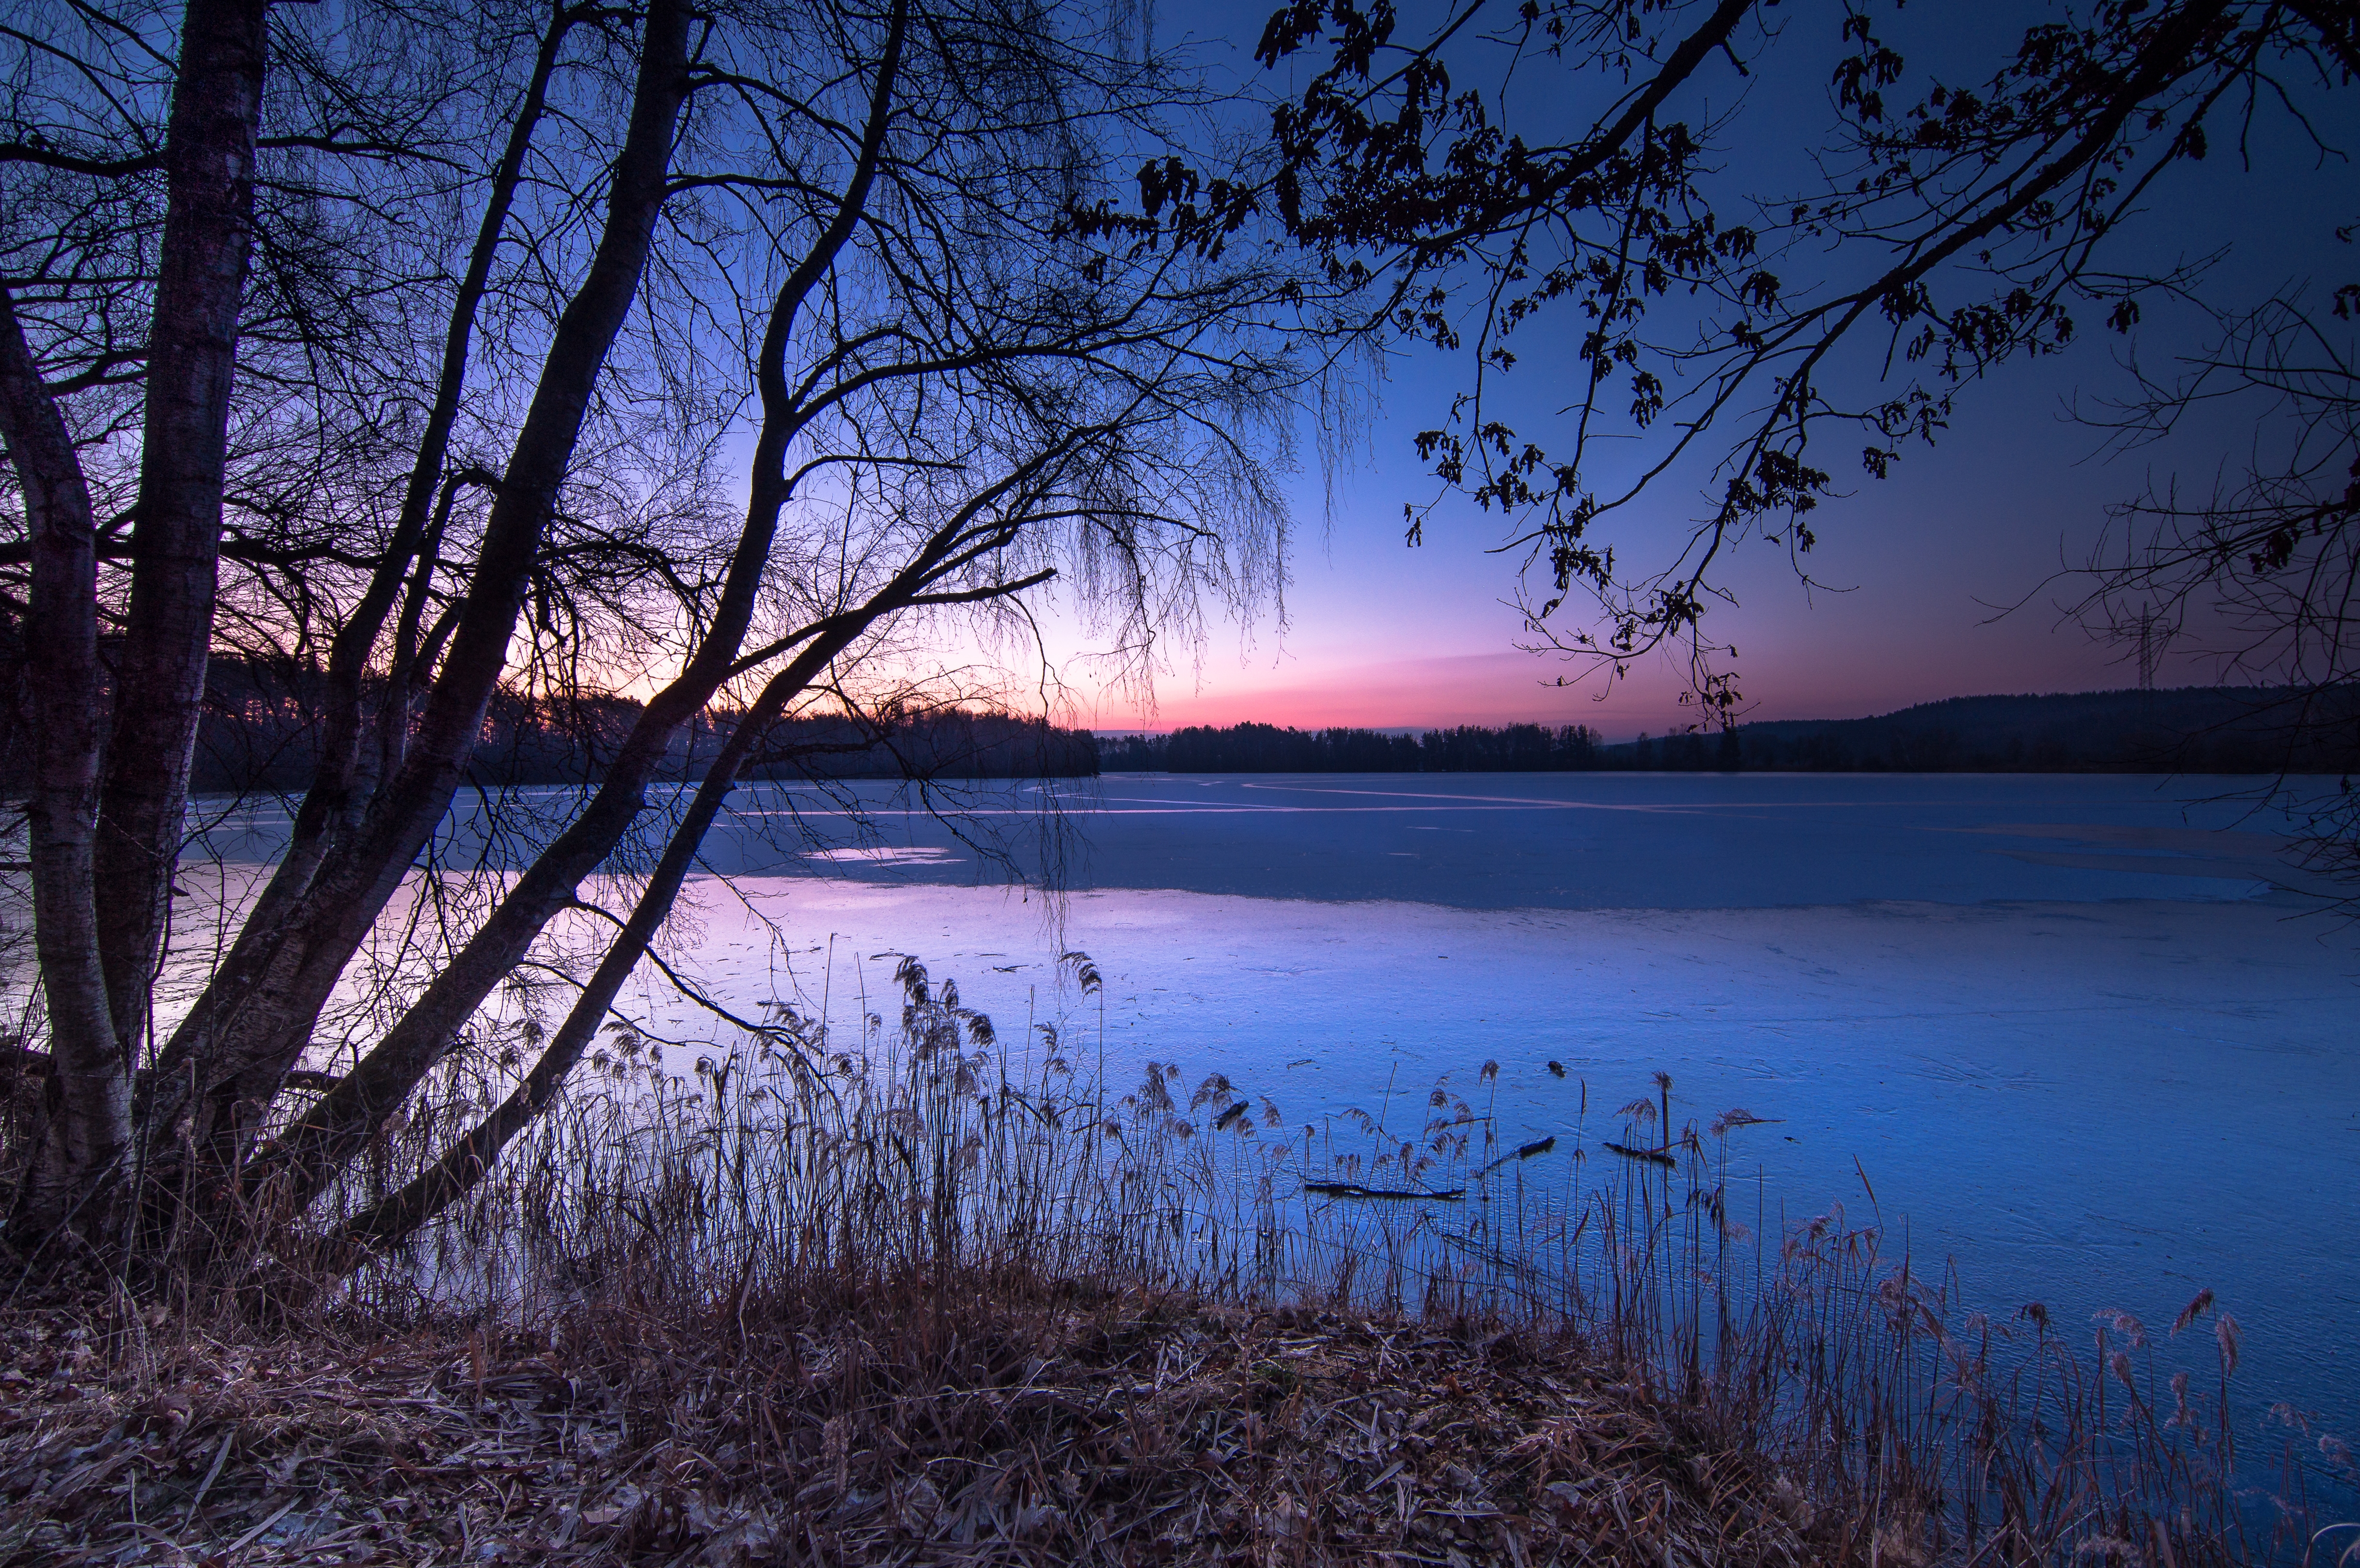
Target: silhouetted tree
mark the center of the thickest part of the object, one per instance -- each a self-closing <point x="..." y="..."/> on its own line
<point x="428" y="325"/>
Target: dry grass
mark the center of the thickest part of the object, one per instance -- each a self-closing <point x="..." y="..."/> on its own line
<point x="945" y="1424"/>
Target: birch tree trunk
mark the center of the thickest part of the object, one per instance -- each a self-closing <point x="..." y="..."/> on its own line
<point x="176" y="541"/>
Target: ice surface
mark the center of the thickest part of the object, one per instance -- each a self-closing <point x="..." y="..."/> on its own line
<point x="2076" y="1031"/>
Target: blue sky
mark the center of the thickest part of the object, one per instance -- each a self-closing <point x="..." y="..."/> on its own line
<point x="1916" y="567"/>
<point x="1379" y="633"/>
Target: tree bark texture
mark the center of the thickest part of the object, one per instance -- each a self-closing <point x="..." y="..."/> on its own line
<point x="176" y="539"/>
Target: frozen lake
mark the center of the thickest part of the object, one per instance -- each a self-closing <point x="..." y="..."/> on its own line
<point x="2078" y="1033"/>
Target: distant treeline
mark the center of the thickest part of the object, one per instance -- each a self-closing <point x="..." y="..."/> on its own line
<point x="1265" y="748"/>
<point x="947" y="743"/>
<point x="2194" y="729"/>
<point x="261" y="731"/>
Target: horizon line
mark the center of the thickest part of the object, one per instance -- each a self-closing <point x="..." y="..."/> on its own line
<point x="1147" y="731"/>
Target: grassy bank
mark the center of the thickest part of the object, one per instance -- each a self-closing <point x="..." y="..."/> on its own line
<point x="936" y="1295"/>
<point x="960" y="1419"/>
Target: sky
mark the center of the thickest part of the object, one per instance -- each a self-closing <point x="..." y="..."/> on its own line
<point x="1917" y="574"/>
<point x="1921" y="572"/>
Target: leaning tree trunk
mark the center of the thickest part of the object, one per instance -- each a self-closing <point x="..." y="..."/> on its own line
<point x="333" y="804"/>
<point x="237" y="1047"/>
<point x="106" y="833"/>
<point x="176" y="539"/>
<point x="290" y="1174"/>
<point x="393" y="1219"/>
<point x="317" y="1144"/>
<point x="324" y="1140"/>
<point x="90" y="1129"/>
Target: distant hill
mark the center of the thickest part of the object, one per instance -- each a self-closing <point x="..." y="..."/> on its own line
<point x="2188" y="729"/>
<point x="2193" y="729"/>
